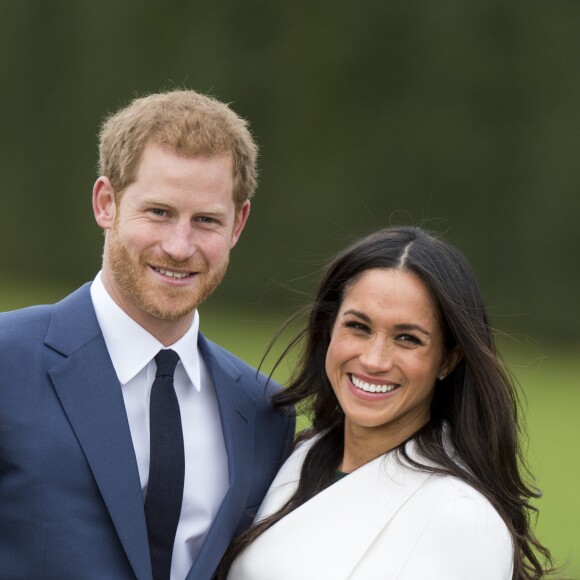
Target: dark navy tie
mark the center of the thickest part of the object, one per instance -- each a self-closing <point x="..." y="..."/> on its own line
<point x="166" y="467"/>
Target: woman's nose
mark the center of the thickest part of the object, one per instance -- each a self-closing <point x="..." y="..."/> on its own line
<point x="377" y="356"/>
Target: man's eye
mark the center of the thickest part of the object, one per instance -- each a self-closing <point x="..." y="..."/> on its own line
<point x="206" y="220"/>
<point x="158" y="212"/>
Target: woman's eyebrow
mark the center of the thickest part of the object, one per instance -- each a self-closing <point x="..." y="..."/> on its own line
<point x="358" y="314"/>
<point x="398" y="327"/>
<point x="412" y="327"/>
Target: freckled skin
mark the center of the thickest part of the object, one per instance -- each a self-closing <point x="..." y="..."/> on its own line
<point x="386" y="332"/>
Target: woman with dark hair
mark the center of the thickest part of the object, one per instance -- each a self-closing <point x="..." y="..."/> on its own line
<point x="411" y="469"/>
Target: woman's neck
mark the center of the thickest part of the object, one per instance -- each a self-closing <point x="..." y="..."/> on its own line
<point x="362" y="445"/>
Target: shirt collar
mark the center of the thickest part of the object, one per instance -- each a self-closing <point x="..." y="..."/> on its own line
<point x="131" y="347"/>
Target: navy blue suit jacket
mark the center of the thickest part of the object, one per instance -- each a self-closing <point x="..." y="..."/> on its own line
<point x="71" y="505"/>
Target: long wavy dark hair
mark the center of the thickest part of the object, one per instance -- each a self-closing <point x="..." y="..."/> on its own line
<point x="477" y="402"/>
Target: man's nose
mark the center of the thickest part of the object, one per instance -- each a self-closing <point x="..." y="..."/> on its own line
<point x="179" y="242"/>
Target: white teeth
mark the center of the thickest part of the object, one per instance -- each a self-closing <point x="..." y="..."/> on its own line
<point x="171" y="274"/>
<point x="369" y="388"/>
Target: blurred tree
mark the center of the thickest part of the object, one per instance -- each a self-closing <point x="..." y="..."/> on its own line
<point x="463" y="117"/>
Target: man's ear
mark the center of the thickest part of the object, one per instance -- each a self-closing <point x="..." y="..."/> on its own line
<point x="451" y="360"/>
<point x="104" y="206"/>
<point x="240" y="221"/>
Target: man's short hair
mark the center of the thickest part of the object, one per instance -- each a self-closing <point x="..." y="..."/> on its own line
<point x="186" y="121"/>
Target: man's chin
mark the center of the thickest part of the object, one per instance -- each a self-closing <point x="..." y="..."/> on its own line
<point x="171" y="313"/>
<point x="175" y="303"/>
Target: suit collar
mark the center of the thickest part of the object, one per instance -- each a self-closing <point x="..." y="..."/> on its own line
<point x="73" y="323"/>
<point x="237" y="412"/>
<point x="90" y="394"/>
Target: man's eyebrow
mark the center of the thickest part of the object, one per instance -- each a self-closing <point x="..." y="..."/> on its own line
<point x="152" y="200"/>
<point x="211" y="210"/>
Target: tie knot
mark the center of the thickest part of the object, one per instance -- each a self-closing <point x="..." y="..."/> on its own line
<point x="166" y="360"/>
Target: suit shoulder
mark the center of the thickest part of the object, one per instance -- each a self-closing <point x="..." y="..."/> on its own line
<point x="249" y="374"/>
<point x="30" y="325"/>
<point x="25" y="322"/>
<point x="223" y="352"/>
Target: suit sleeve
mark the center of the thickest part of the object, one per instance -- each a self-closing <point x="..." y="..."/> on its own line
<point x="463" y="538"/>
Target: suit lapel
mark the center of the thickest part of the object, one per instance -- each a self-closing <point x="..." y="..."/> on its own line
<point x="90" y="393"/>
<point x="237" y="414"/>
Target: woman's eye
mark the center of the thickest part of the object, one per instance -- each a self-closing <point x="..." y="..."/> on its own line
<point x="355" y="325"/>
<point x="409" y="338"/>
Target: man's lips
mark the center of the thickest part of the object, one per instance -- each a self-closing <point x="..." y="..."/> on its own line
<point x="173" y="273"/>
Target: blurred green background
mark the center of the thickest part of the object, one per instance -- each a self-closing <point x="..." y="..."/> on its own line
<point x="463" y="117"/>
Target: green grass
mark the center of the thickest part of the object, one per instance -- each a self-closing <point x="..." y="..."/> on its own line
<point x="552" y="389"/>
<point x="550" y="382"/>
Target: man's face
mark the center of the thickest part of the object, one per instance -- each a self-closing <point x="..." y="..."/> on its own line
<point x="168" y="238"/>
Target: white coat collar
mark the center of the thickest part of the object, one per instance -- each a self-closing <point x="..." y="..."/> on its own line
<point x="363" y="491"/>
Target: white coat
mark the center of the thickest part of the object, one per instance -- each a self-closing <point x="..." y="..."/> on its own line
<point x="383" y="521"/>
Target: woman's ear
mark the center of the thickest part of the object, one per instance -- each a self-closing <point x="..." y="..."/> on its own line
<point x="450" y="361"/>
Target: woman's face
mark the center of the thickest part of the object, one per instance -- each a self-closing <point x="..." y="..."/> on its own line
<point x="385" y="354"/>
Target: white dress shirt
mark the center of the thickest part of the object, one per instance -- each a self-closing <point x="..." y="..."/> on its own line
<point x="132" y="350"/>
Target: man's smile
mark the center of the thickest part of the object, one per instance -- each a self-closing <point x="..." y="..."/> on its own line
<point x="173" y="274"/>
